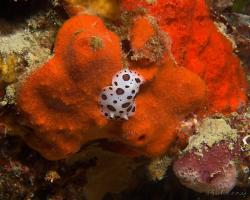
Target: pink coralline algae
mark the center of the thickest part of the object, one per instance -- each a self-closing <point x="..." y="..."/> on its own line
<point x="214" y="172"/>
<point x="214" y="159"/>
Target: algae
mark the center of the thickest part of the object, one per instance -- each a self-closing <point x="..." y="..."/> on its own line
<point x="52" y="176"/>
<point x="7" y="68"/>
<point x="240" y="5"/>
<point x="210" y="132"/>
<point x="96" y="43"/>
<point x="158" y="166"/>
<point x="10" y="96"/>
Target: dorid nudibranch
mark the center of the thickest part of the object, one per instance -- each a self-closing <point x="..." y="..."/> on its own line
<point x="118" y="101"/>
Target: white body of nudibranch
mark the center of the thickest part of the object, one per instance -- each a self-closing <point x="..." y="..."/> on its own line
<point x="118" y="101"/>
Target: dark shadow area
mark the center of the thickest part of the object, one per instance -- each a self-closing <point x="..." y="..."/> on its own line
<point x="19" y="9"/>
<point x="171" y="189"/>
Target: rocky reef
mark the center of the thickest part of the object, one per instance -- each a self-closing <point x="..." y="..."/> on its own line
<point x="104" y="99"/>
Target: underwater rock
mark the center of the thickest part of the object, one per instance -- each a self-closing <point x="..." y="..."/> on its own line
<point x="25" y="42"/>
<point x="210" y="132"/>
<point x="241" y="35"/>
<point x="214" y="172"/>
<point x="220" y="5"/>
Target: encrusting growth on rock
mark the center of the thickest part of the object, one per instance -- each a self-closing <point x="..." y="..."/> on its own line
<point x="213" y="159"/>
<point x="7" y="68"/>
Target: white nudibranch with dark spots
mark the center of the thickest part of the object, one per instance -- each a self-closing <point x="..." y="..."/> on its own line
<point x="118" y="101"/>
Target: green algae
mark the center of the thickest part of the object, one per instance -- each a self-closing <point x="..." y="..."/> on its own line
<point x="96" y="43"/>
<point x="211" y="132"/>
<point x="240" y="5"/>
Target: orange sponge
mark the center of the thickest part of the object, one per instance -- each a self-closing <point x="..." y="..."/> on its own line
<point x="59" y="100"/>
<point x="199" y="46"/>
<point x="172" y="95"/>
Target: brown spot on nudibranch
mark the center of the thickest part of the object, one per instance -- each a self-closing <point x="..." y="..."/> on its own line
<point x="133" y="109"/>
<point x="126" y="77"/>
<point x="137" y="80"/>
<point x="125" y="105"/>
<point x="111" y="108"/>
<point x="129" y="108"/>
<point x="104" y="97"/>
<point x="119" y="91"/>
<point x="120" y="97"/>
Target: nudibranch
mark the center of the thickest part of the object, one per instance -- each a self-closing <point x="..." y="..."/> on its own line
<point x="118" y="101"/>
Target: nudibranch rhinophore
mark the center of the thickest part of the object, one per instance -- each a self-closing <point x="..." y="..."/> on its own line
<point x="118" y="101"/>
